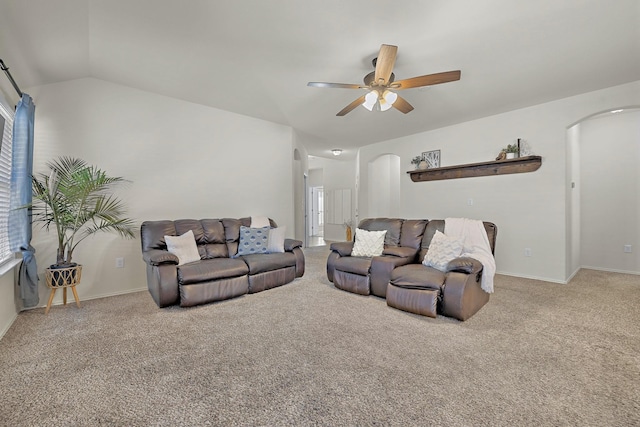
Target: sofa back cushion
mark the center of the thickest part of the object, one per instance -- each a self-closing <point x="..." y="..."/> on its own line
<point x="232" y="232"/>
<point x="412" y="232"/>
<point x="393" y="227"/>
<point x="429" y="231"/>
<point x="152" y="234"/>
<point x="209" y="236"/>
<point x="216" y="238"/>
<point x="438" y="225"/>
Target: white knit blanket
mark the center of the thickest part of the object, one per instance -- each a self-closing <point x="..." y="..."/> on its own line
<point x="476" y="246"/>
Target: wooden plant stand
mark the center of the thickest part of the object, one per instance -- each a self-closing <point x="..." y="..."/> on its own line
<point x="63" y="278"/>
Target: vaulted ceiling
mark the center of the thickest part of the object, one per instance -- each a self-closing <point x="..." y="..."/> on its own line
<point x="255" y="57"/>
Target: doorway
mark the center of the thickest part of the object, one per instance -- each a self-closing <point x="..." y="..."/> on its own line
<point x="603" y="184"/>
<point x="316" y="216"/>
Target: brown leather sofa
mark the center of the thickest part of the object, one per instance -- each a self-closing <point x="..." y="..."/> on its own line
<point x="367" y="276"/>
<point x="399" y="276"/>
<point x="217" y="276"/>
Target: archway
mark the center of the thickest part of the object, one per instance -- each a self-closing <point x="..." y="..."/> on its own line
<point x="603" y="205"/>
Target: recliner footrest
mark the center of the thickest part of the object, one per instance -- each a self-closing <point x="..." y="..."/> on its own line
<point x="352" y="282"/>
<point x="418" y="301"/>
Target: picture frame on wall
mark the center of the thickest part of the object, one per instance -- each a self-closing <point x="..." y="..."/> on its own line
<point x="432" y="158"/>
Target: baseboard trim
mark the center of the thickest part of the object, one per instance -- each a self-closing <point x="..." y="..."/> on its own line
<point x="9" y="324"/>
<point x="523" y="276"/>
<point x="573" y="275"/>
<point x="110" y="294"/>
<point x="107" y="295"/>
<point x="611" y="270"/>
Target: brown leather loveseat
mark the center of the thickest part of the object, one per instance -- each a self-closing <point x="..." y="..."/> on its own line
<point x="399" y="276"/>
<point x="218" y="275"/>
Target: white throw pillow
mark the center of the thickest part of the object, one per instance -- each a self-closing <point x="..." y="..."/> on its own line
<point x="276" y="240"/>
<point x="368" y="243"/>
<point x="442" y="249"/>
<point x="184" y="247"/>
<point x="260" y="222"/>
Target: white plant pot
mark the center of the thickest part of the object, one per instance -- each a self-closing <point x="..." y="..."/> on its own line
<point x="511" y="155"/>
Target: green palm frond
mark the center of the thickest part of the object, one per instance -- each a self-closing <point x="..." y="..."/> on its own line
<point x="76" y="198"/>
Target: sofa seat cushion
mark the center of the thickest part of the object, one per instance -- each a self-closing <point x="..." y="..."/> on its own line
<point x="417" y="276"/>
<point x="354" y="265"/>
<point x="259" y="263"/>
<point x="211" y="269"/>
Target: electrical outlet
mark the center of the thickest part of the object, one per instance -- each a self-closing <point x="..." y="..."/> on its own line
<point x="527" y="251"/>
<point x="119" y="262"/>
<point x="470" y="202"/>
<point x="627" y="249"/>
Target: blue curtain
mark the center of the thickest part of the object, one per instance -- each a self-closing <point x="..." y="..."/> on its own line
<point x="19" y="217"/>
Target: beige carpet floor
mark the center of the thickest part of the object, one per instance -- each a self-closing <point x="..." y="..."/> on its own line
<point x="538" y="354"/>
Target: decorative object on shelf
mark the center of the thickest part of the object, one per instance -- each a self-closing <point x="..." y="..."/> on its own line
<point x="510" y="152"/>
<point x="348" y="225"/>
<point x="419" y="162"/>
<point x="525" y="148"/>
<point x="76" y="199"/>
<point x="432" y="158"/>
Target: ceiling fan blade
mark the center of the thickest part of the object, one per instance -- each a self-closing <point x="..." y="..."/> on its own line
<point x="401" y="104"/>
<point x="384" y="63"/>
<point x="336" y="85"/>
<point x="351" y="106"/>
<point x="428" y="80"/>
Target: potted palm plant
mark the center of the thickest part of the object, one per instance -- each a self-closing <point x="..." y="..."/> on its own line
<point x="76" y="200"/>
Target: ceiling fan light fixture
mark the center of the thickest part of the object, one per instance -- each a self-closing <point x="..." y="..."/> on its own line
<point x="390" y="97"/>
<point x="336" y="151"/>
<point x="381" y="81"/>
<point x="370" y="100"/>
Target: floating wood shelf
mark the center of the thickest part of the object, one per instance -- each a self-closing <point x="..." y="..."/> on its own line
<point x="497" y="167"/>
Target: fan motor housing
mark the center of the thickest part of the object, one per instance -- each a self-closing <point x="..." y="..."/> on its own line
<point x="369" y="78"/>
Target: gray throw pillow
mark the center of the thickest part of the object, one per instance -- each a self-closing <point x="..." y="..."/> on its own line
<point x="253" y="241"/>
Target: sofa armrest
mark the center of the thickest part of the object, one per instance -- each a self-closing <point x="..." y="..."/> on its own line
<point x="400" y="251"/>
<point x="465" y="265"/>
<point x="462" y="295"/>
<point x="291" y="244"/>
<point x="159" y="256"/>
<point x="343" y="248"/>
<point x="380" y="272"/>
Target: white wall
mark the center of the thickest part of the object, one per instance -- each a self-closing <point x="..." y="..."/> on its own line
<point x="184" y="160"/>
<point x="573" y="191"/>
<point x="529" y="209"/>
<point x="300" y="169"/>
<point x="316" y="177"/>
<point x="384" y="186"/>
<point x="610" y="200"/>
<point x="8" y="310"/>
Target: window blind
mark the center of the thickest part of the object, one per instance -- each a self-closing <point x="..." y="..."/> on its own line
<point x="5" y="177"/>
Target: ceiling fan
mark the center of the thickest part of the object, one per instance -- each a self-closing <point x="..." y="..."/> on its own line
<point x="381" y="85"/>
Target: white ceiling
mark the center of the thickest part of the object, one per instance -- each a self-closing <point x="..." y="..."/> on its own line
<point x="256" y="57"/>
